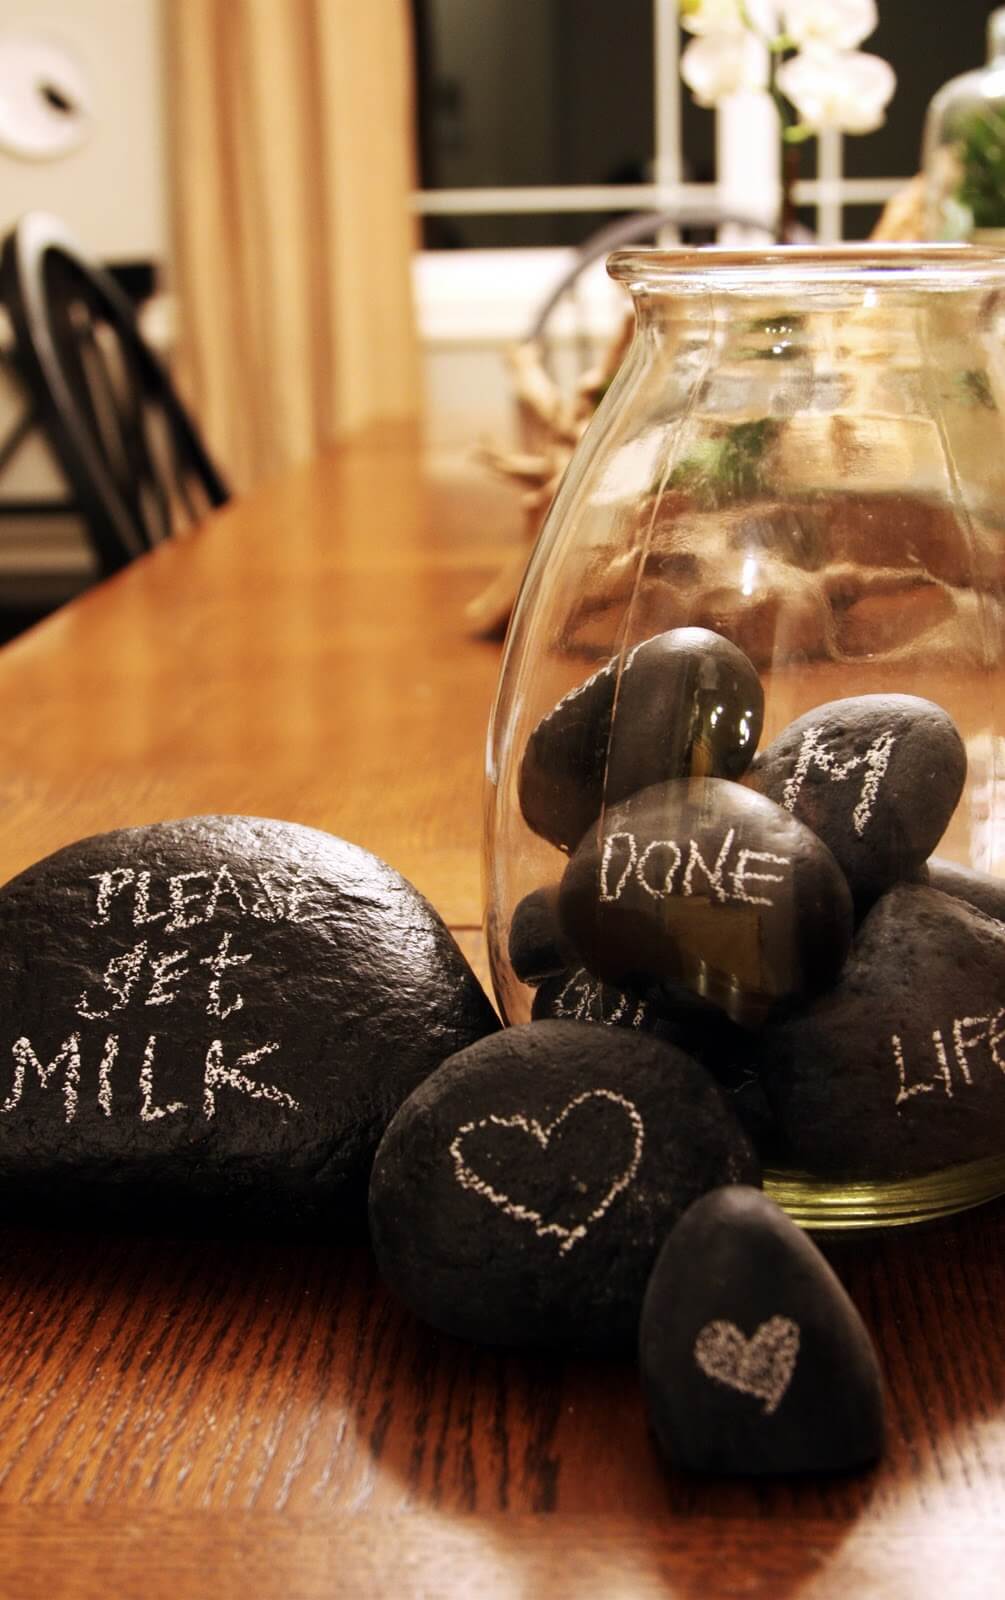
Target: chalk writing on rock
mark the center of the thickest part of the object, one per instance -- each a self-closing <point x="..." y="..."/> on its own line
<point x="159" y="978"/>
<point x="586" y="999"/>
<point x="657" y="868"/>
<point x="761" y="1366"/>
<point x="899" y="1070"/>
<point x="967" y="1034"/>
<point x="218" y="1073"/>
<point x="156" y="979"/>
<point x="570" y="1236"/>
<point x="741" y="1296"/>
<point x="521" y="1195"/>
<point x="876" y="776"/>
<point x="220" y="1012"/>
<point x="813" y="752"/>
<point x="706" y="887"/>
<point x="194" y="898"/>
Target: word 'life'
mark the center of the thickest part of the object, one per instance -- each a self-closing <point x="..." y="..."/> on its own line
<point x="813" y="753"/>
<point x="668" y="866"/>
<point x="966" y="1034"/>
<point x="217" y="1073"/>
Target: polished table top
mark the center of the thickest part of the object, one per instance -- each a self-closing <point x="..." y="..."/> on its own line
<point x="179" y="1417"/>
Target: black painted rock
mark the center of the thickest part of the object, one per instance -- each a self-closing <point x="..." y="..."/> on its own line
<point x="899" y="1070"/>
<point x="216" y="1017"/>
<point x="978" y="889"/>
<point x="519" y="1197"/>
<point x="688" y="703"/>
<point x="537" y="949"/>
<point x="707" y="1035"/>
<point x="754" y="1360"/>
<point x="877" y="776"/>
<point x="711" y="890"/>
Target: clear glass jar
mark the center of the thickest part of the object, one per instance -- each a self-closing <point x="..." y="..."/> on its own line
<point x="964" y="150"/>
<point x="802" y="454"/>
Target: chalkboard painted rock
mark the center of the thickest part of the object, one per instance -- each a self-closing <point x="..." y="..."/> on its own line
<point x="877" y="776"/>
<point x="521" y="1194"/>
<point x="537" y="949"/>
<point x="900" y="1069"/>
<point x="688" y="702"/>
<point x="712" y="890"/>
<point x="978" y="889"/>
<point x="705" y="1034"/>
<point x="754" y="1360"/>
<point x="216" y="1017"/>
<point x="575" y="995"/>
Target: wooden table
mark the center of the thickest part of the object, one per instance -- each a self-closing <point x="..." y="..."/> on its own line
<point x="186" y="1418"/>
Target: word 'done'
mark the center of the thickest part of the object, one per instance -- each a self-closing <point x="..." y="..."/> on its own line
<point x="665" y="867"/>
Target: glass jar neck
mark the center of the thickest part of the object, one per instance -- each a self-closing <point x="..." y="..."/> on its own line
<point x="996" y="37"/>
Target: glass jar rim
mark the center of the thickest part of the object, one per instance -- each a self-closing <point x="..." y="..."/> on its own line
<point x="708" y="268"/>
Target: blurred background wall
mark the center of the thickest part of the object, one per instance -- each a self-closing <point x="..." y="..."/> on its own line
<point x="274" y="162"/>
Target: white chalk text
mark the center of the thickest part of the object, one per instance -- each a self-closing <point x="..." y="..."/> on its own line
<point x="968" y="1043"/>
<point x="666" y="867"/>
<point x="218" y="1072"/>
<point x="814" y="753"/>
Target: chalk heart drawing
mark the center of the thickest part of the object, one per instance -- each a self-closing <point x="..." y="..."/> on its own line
<point x="761" y="1366"/>
<point x="568" y="1235"/>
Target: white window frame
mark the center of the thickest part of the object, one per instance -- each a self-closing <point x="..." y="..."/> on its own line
<point x="488" y="295"/>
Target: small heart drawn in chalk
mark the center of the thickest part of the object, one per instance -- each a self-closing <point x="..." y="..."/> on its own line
<point x="761" y="1366"/>
<point x="546" y="1138"/>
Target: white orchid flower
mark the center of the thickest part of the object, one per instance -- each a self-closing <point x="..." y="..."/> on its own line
<point x="711" y="16"/>
<point x="831" y="24"/>
<point x="731" y="16"/>
<point x="844" y="89"/>
<point x="720" y="64"/>
<point x="764" y="16"/>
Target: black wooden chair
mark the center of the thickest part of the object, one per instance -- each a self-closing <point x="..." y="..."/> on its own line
<point x="134" y="462"/>
<point x="698" y="221"/>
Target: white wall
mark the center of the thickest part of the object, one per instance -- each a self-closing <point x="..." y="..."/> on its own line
<point x="112" y="191"/>
<point x="473" y="306"/>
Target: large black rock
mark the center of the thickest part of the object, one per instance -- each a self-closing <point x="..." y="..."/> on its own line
<point x="877" y="776"/>
<point x="754" y="1360"/>
<point x="215" y="1018"/>
<point x="688" y="703"/>
<point x="710" y="890"/>
<point x="978" y="889"/>
<point x="900" y="1070"/>
<point x="520" y="1195"/>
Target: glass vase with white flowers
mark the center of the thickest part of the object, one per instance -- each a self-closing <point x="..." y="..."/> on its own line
<point x="804" y="54"/>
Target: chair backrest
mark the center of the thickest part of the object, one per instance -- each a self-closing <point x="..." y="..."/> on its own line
<point x="636" y="228"/>
<point x="133" y="459"/>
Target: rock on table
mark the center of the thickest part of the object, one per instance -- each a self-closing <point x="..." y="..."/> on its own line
<point x="520" y="1195"/>
<point x="216" y="1019"/>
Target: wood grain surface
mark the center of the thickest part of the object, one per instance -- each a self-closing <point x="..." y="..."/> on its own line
<point x="185" y="1416"/>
